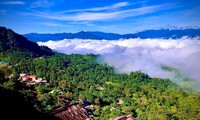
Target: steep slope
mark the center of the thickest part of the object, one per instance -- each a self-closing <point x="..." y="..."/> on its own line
<point x="11" y="101"/>
<point x="11" y="41"/>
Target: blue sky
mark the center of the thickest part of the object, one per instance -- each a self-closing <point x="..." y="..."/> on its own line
<point x="117" y="16"/>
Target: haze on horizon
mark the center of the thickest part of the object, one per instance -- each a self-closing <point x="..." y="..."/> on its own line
<point x="116" y="16"/>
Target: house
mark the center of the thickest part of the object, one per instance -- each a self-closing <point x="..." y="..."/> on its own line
<point x="71" y="112"/>
<point x="90" y="107"/>
<point x="3" y="64"/>
<point x="43" y="82"/>
<point x="64" y="102"/>
<point x="124" y="117"/>
<point x="31" y="83"/>
<point x="40" y="80"/>
<point x="23" y="74"/>
<point x="99" y="88"/>
<point x="34" y="83"/>
<point x="120" y="101"/>
<point x="29" y="78"/>
<point x="6" y="63"/>
<point x="57" y="91"/>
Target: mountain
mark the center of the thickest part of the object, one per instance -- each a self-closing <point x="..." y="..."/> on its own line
<point x="162" y="33"/>
<point x="11" y="41"/>
<point x="107" y="36"/>
<point x="81" y="35"/>
<point x="165" y="33"/>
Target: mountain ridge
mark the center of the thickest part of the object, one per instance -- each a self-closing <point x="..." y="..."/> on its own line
<point x="161" y="33"/>
<point x="11" y="41"/>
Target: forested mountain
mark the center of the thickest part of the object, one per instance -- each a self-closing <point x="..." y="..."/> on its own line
<point x="162" y="33"/>
<point x="81" y="35"/>
<point x="11" y="41"/>
<point x="97" y="87"/>
<point x="80" y="77"/>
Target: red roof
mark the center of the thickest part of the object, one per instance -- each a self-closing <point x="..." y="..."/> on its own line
<point x="29" y="76"/>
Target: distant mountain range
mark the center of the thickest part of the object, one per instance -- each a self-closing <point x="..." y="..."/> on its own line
<point x="162" y="33"/>
<point x="11" y="41"/>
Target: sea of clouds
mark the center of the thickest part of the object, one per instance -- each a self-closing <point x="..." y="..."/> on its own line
<point x="147" y="55"/>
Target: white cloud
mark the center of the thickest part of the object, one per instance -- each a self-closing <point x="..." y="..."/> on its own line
<point x="42" y="3"/>
<point x="146" y="55"/>
<point x="51" y="24"/>
<point x="82" y="23"/>
<point x="105" y="8"/>
<point x="98" y="15"/>
<point x="13" y="3"/>
<point x="54" y="24"/>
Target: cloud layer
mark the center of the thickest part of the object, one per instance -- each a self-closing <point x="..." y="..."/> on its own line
<point x="175" y="59"/>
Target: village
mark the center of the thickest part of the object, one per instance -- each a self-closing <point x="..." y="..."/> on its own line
<point x="80" y="110"/>
<point x="68" y="111"/>
<point x="76" y="111"/>
<point x="31" y="80"/>
<point x="4" y="64"/>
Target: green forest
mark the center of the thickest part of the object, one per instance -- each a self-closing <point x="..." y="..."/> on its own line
<point x="82" y="79"/>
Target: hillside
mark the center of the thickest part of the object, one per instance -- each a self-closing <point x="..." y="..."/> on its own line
<point x="162" y="33"/>
<point x="26" y="108"/>
<point x="11" y="41"/>
<point x="80" y="79"/>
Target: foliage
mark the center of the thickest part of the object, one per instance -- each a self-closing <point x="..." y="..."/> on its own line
<point x="81" y="77"/>
<point x="11" y="41"/>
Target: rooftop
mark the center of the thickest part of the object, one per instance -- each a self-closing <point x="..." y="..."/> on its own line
<point x="4" y="63"/>
<point x="71" y="112"/>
